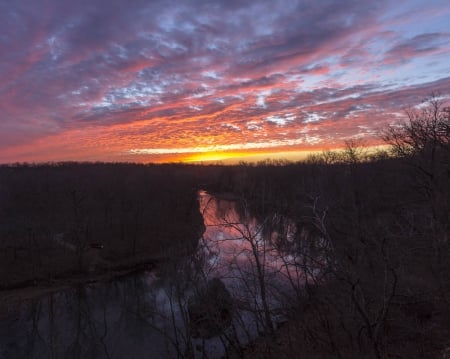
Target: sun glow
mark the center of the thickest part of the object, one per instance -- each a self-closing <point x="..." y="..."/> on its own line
<point x="252" y="157"/>
<point x="215" y="156"/>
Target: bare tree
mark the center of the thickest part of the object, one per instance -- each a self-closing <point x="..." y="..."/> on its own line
<point x="423" y="142"/>
<point x="426" y="131"/>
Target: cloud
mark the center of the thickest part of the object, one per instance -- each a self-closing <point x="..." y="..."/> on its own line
<point x="418" y="46"/>
<point x="131" y="73"/>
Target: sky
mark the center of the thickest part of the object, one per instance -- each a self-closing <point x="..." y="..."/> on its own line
<point x="192" y="80"/>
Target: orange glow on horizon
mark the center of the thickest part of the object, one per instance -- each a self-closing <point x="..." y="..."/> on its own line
<point x="233" y="158"/>
<point x="214" y="156"/>
<point x="252" y="157"/>
<point x="120" y="143"/>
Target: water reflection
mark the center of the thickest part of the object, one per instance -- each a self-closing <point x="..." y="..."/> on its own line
<point x="262" y="266"/>
<point x="236" y="243"/>
<point x="112" y="320"/>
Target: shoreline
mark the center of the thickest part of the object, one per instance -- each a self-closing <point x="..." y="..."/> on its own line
<point x="25" y="291"/>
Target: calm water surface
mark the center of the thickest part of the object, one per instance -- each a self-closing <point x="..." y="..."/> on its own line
<point x="146" y="315"/>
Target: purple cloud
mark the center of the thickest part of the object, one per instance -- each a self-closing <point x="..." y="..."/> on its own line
<point x="420" y="45"/>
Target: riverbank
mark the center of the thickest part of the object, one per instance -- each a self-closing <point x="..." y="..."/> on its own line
<point x="38" y="287"/>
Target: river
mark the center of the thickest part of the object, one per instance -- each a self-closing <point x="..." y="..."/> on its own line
<point x="257" y="266"/>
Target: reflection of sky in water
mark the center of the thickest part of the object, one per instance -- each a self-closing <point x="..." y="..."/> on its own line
<point x="138" y="316"/>
<point x="110" y="320"/>
<point x="232" y="245"/>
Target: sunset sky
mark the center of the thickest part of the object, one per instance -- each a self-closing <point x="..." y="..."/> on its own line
<point x="158" y="81"/>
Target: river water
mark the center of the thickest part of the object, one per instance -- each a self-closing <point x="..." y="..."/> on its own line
<point x="147" y="315"/>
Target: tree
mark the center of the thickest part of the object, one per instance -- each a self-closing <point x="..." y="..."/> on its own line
<point x="426" y="131"/>
<point x="423" y="142"/>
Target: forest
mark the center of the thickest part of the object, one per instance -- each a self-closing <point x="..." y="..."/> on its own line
<point x="371" y="238"/>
